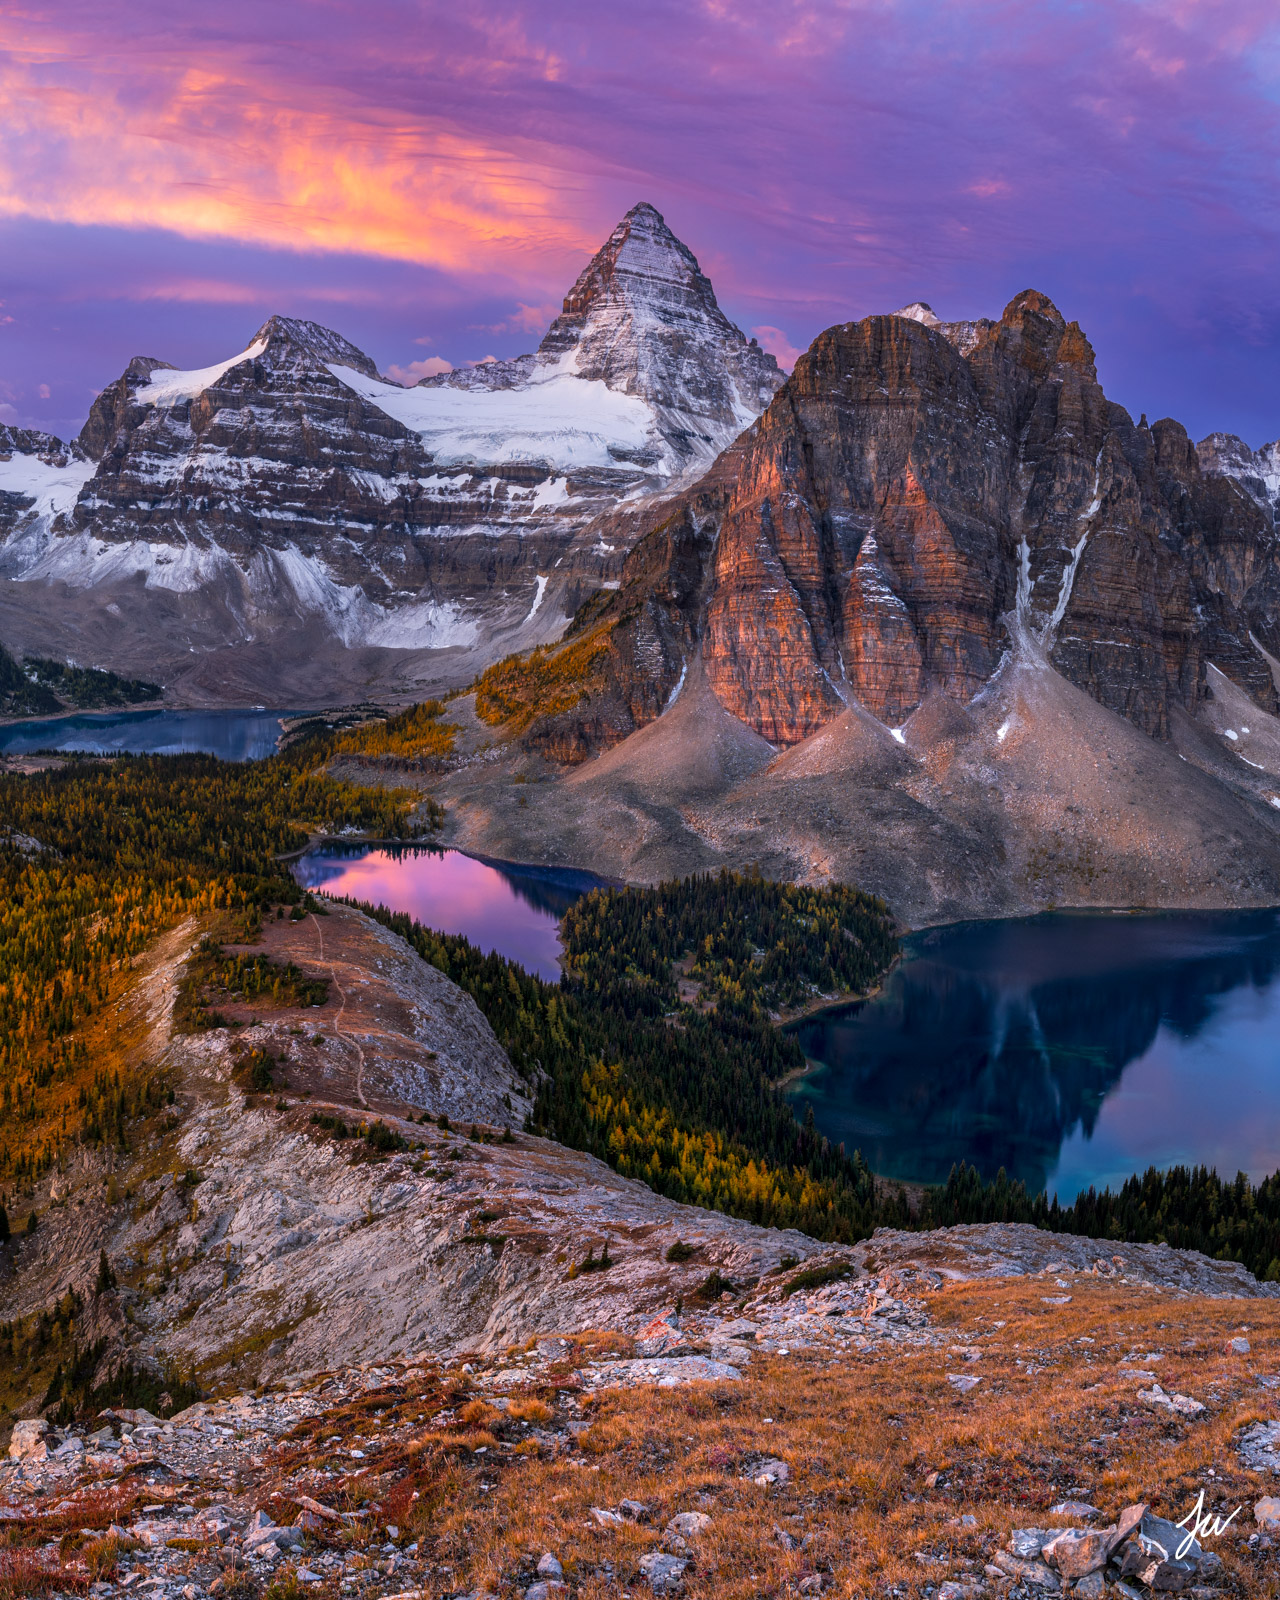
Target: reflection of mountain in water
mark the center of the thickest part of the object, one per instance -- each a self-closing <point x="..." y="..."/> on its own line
<point x="230" y="735"/>
<point x="548" y="890"/>
<point x="992" y="1042"/>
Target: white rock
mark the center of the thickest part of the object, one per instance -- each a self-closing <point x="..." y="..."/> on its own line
<point x="664" y="1572"/>
<point x="28" y="1441"/>
<point x="688" y="1523"/>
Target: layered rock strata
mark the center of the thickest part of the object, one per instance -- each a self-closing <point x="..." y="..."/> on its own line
<point x="290" y="496"/>
<point x="921" y="500"/>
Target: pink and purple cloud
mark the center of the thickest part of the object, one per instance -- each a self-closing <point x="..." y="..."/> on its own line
<point x="430" y="179"/>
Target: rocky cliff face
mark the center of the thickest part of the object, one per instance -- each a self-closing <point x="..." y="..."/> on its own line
<point x="642" y="319"/>
<point x="291" y="494"/>
<point x="920" y="501"/>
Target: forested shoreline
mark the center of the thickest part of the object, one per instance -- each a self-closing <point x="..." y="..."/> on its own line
<point x="659" y="1051"/>
<point x="698" y="1122"/>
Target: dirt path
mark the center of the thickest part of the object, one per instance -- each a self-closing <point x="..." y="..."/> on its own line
<point x="337" y="1020"/>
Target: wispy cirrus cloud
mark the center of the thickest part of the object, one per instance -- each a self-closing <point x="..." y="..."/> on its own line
<point x="825" y="158"/>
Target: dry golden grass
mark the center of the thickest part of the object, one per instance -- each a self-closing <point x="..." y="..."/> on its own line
<point x="530" y="1411"/>
<point x="1051" y="1419"/>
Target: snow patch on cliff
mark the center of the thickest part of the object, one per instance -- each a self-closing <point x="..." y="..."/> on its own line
<point x="537" y="598"/>
<point x="170" y="388"/>
<point x="83" y="562"/>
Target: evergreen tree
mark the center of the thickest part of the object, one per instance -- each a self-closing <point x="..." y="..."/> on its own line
<point x="106" y="1278"/>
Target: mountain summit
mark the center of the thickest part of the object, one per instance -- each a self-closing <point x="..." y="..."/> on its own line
<point x="289" y="498"/>
<point x="642" y="319"/>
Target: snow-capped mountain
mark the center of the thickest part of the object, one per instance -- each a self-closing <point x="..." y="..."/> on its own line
<point x="291" y="490"/>
<point x="1224" y="455"/>
<point x="678" y="381"/>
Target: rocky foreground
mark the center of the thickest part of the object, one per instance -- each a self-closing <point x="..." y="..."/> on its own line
<point x="890" y="1433"/>
<point x="452" y="1359"/>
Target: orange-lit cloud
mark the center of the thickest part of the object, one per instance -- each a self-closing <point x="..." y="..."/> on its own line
<point x="226" y="153"/>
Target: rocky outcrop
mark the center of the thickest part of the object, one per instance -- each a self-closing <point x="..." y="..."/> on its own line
<point x="921" y="500"/>
<point x="293" y="498"/>
<point x="1224" y="455"/>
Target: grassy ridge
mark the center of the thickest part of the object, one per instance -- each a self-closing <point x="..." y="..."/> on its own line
<point x="130" y="848"/>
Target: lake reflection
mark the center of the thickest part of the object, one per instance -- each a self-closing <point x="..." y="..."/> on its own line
<point x="1071" y="1049"/>
<point x="514" y="910"/>
<point x="232" y="735"/>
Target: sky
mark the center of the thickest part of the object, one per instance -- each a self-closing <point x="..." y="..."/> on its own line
<point x="429" y="179"/>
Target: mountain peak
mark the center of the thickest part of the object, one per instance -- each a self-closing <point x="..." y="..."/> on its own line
<point x="640" y="253"/>
<point x="643" y="318"/>
<point x="292" y="336"/>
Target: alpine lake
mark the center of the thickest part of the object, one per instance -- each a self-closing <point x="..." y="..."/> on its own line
<point x="1072" y="1049"/>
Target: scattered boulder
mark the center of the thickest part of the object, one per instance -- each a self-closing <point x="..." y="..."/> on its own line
<point x="327" y="1513"/>
<point x="1032" y="1573"/>
<point x="1074" y="1508"/>
<point x="549" y="1567"/>
<point x="1027" y="1543"/>
<point x="688" y="1524"/>
<point x="28" y="1441"/>
<point x="1076" y="1552"/>
<point x="1236" y="1347"/>
<point x="1258" y="1445"/>
<point x="1183" y="1404"/>
<point x="665" y="1573"/>
<point x="1266" y="1513"/>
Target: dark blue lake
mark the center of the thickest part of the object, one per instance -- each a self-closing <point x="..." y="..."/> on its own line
<point x="233" y="735"/>
<point x="497" y="905"/>
<point x="1071" y="1049"/>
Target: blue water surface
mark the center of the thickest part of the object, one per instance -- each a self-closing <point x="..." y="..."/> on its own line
<point x="1071" y="1049"/>
<point x="234" y="735"/>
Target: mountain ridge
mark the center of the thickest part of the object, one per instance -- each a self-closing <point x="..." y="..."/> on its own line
<point x="288" y="499"/>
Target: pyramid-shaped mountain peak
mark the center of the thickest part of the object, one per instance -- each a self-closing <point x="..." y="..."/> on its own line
<point x="641" y="252"/>
<point x="643" y="318"/>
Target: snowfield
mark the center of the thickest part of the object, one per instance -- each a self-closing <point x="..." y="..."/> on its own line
<point x="170" y="388"/>
<point x="54" y="489"/>
<point x="559" y="419"/>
